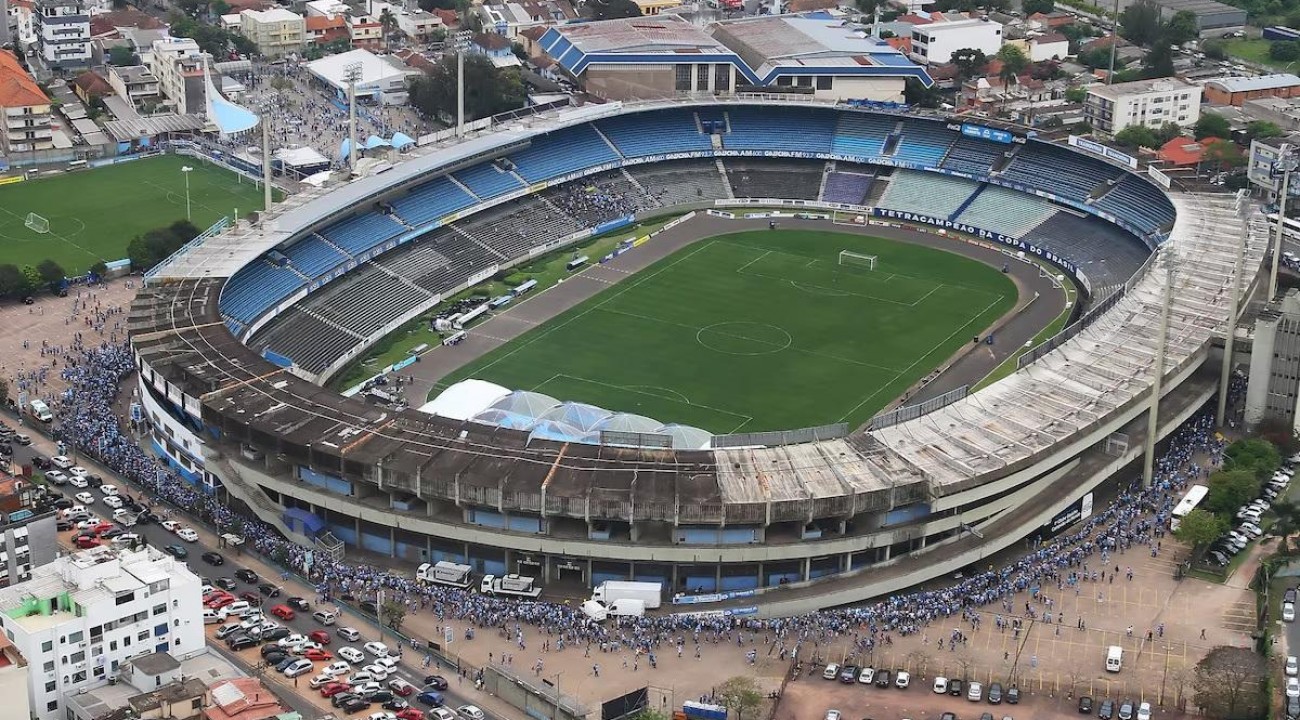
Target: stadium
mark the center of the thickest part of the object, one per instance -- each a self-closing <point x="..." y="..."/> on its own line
<point x="235" y="333"/>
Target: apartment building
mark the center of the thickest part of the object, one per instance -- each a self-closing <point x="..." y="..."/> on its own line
<point x="935" y="43"/>
<point x="178" y="65"/>
<point x="13" y="680"/>
<point x="134" y="83"/>
<point x="62" y="29"/>
<point x="27" y="539"/>
<point x="1111" y="108"/>
<point x="26" y="110"/>
<point x="276" y="31"/>
<point x="79" y="619"/>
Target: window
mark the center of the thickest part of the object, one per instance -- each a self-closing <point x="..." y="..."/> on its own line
<point x="77" y="657"/>
<point x="701" y="77"/>
<point x="824" y="82"/>
<point x="784" y="81"/>
<point x="126" y="641"/>
<point x="47" y="646"/>
<point x="803" y="81"/>
<point x="722" y="78"/>
<point x="143" y="635"/>
<point x="49" y="667"/>
<point x="683" y="83"/>
<point x="160" y="609"/>
<point x="79" y="676"/>
<point x="52" y="705"/>
<point x="125" y="598"/>
<point x="160" y="629"/>
<point x="76" y="637"/>
<point x="112" y="645"/>
<point x="50" y="685"/>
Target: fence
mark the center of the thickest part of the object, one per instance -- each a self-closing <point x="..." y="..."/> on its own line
<point x="911" y="412"/>
<point x="782" y="437"/>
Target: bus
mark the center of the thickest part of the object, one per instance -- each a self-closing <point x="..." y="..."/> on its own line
<point x="1195" y="494"/>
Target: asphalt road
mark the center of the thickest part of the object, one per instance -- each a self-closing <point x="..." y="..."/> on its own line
<point x="154" y="534"/>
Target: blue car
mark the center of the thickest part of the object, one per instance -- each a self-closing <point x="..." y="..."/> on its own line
<point x="431" y="697"/>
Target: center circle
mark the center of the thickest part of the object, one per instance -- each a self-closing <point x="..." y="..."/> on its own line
<point x="744" y="338"/>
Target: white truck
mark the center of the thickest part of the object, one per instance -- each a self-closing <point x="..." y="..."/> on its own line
<point x="515" y="585"/>
<point x="611" y="591"/>
<point x="1114" y="658"/>
<point x="618" y="608"/>
<point x="445" y="572"/>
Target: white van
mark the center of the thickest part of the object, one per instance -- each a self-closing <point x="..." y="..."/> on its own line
<point x="324" y="617"/>
<point x="238" y="608"/>
<point x="1114" y="658"/>
<point x="211" y="617"/>
<point x="41" y="411"/>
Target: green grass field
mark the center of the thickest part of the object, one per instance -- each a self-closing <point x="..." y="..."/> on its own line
<point x="93" y="214"/>
<point x="759" y="331"/>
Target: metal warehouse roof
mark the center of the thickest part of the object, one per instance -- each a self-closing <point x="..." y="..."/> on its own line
<point x="1259" y="82"/>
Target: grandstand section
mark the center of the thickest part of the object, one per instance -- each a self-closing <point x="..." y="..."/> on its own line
<point x="998" y="209"/>
<point x="419" y="488"/>
<point x="926" y="193"/>
<point x="774" y="179"/>
<point x="845" y="186"/>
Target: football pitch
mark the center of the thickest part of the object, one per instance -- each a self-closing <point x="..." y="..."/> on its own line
<point x="759" y="330"/>
<point x="95" y="213"/>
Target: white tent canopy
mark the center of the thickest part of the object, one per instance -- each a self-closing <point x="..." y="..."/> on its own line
<point x="465" y="399"/>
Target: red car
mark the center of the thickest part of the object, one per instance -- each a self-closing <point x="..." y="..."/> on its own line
<point x="103" y="526"/>
<point x="318" y="654"/>
<point x="220" y="601"/>
<point x="410" y="713"/>
<point x="252" y="598"/>
<point x="319" y="636"/>
<point x="283" y="612"/>
<point x="85" y="542"/>
<point x="401" y="687"/>
<point x="334" y="689"/>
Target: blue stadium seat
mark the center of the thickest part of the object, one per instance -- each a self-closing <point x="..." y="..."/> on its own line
<point x="430" y="201"/>
<point x="974" y="156"/>
<point x="779" y="128"/>
<point x="361" y="233"/>
<point x="862" y="134"/>
<point x="924" y="143"/>
<point x="1139" y="202"/>
<point x="1058" y="171"/>
<point x="486" y="181"/>
<point x="654" y="133"/>
<point x="314" y="257"/>
<point x="255" y="288"/>
<point x="562" y="152"/>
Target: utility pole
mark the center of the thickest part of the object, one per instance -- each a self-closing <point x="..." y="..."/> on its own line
<point x="557" y="695"/>
<point x="1242" y="208"/>
<point x="266" y="165"/>
<point x="1287" y="162"/>
<point x="352" y="73"/>
<point x="1114" y="45"/>
<point x="1153" y="413"/>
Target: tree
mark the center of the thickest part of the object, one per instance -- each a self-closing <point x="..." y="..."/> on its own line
<point x="1140" y="23"/>
<point x="121" y="55"/>
<point x="1262" y="129"/>
<point x="1284" y="50"/>
<point x="1181" y="28"/>
<point x="488" y="90"/>
<point x="1014" y="62"/>
<point x="1076" y="94"/>
<point x="220" y="7"/>
<point x="1230" y="683"/>
<point x="1229" y="490"/>
<point x="13" y="284"/>
<point x="1200" y="527"/>
<point x="869" y="7"/>
<point x="741" y="695"/>
<point x="1033" y="7"/>
<point x="1159" y="61"/>
<point x="1211" y="125"/>
<point x="1167" y="132"/>
<point x="387" y="24"/>
<point x="1214" y="49"/>
<point x="611" y="9"/>
<point x="32" y="275"/>
<point x="1254" y="455"/>
<point x="1281" y="434"/>
<point x="392" y="613"/>
<point x="914" y="93"/>
<point x="969" y="61"/>
<point x="99" y="268"/>
<point x="1136" y="136"/>
<point x="1287" y="524"/>
<point x="1222" y="155"/>
<point x="51" y="272"/>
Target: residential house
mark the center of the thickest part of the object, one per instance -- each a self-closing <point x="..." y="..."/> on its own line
<point x="1052" y="46"/>
<point x="1111" y="108"/>
<point x="90" y="86"/>
<point x="322" y="29"/>
<point x="241" y="699"/>
<point x="62" y="29"/>
<point x="134" y="83"/>
<point x="26" y="110"/>
<point x="365" y="32"/>
<point x="275" y="32"/>
<point x="496" y="48"/>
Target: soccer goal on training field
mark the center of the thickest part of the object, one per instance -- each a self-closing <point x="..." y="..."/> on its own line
<point x="36" y="223"/>
<point x="848" y="257"/>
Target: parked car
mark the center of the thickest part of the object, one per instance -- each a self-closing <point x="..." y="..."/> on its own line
<point x="246" y="575"/>
<point x="975" y="692"/>
<point x="351" y="635"/>
<point x="995" y="694"/>
<point x="1126" y="710"/>
<point x="298" y="604"/>
<point x="941" y="685"/>
<point x="320" y="636"/>
<point x="1085" y="705"/>
<point x="212" y="558"/>
<point x="177" y="551"/>
<point x="1106" y="710"/>
<point x="437" y="682"/>
<point x="902" y="679"/>
<point x="1013" y="695"/>
<point x="955" y="687"/>
<point x="831" y="672"/>
<point x="848" y="673"/>
<point x="867" y="675"/>
<point x="283" y="612"/>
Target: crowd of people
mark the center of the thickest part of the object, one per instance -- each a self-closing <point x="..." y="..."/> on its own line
<point x="592" y="205"/>
<point x="1049" y="568"/>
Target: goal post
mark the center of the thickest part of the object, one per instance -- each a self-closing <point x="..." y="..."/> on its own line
<point x="850" y="258"/>
<point x="37" y="224"/>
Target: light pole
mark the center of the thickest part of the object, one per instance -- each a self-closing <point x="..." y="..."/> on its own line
<point x="1286" y="163"/>
<point x="186" y="170"/>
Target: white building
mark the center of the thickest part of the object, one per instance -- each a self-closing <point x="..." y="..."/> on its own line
<point x="178" y="64"/>
<point x="416" y="23"/>
<point x="382" y="77"/>
<point x="1111" y="108"/>
<point x="62" y="29"/>
<point x="13" y="680"/>
<point x="935" y="43"/>
<point x="82" y="616"/>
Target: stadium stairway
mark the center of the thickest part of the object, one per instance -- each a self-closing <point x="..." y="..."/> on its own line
<point x="967" y="202"/>
<point x="635" y="183"/>
<point x="827" y="169"/>
<point x="252" y="495"/>
<point x="608" y="142"/>
<point x="400" y="277"/>
<point x="892" y="140"/>
<point x="343" y="252"/>
<point x="726" y="181"/>
<point x="465" y="234"/>
<point x="1005" y="161"/>
<point x="464" y="188"/>
<point x="331" y="323"/>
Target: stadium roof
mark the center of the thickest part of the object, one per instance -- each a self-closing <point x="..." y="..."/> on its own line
<point x="375" y="71"/>
<point x="761" y="48"/>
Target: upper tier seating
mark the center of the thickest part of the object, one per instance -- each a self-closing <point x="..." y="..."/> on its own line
<point x="562" y="152"/>
<point x="430" y="201"/>
<point x="681" y="181"/>
<point x="862" y="134"/>
<point x="486" y="181"/>
<point x="1139" y="202"/>
<point x="1106" y="254"/>
<point x="770" y="128"/>
<point x="1006" y="211"/>
<point x="1058" y="170"/>
<point x="256" y="287"/>
<point x="313" y="257"/>
<point x="654" y="133"/>
<point x="364" y="232"/>
<point x="972" y="155"/>
<point x="926" y="193"/>
<point x="311" y="343"/>
<point x="924" y="142"/>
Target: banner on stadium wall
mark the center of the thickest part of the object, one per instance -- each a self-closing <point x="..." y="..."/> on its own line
<point x="977" y="232"/>
<point x="712" y="597"/>
<point x="612" y="225"/>
<point x="12" y="180"/>
<point x="1159" y="177"/>
<point x="406" y="362"/>
<point x="987" y="133"/>
<point x="1109" y="153"/>
<point x="1080" y="509"/>
<point x="734" y="612"/>
<point x="721" y="214"/>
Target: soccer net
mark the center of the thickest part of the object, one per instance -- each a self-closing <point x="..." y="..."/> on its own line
<point x="36" y="223"/>
<point x="848" y="257"/>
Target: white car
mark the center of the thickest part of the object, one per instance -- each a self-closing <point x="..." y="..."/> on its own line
<point x="1144" y="711"/>
<point x="1292" y="666"/>
<point x="187" y="534"/>
<point x="170" y="525"/>
<point x="78" y="481"/>
<point x="78" y="471"/>
<point x="1288" y="612"/>
<point x="74" y="510"/>
<point x="294" y="641"/>
<point x="941" y="685"/>
<point x="320" y="681"/>
<point x="113" y="501"/>
<point x="902" y="680"/>
<point x="299" y="667"/>
<point x="57" y="477"/>
<point x="376" y="648"/>
<point x="974" y="692"/>
<point x="382" y="716"/>
<point x="867" y="675"/>
<point x="377" y="671"/>
<point x="388" y="662"/>
<point x="361" y="677"/>
<point x="351" y="654"/>
<point x="107" y="489"/>
<point x="61" y="462"/>
<point x="336" y="668"/>
<point x="126" y="539"/>
<point x="89" y="522"/>
<point x="366" y="688"/>
<point x="442" y="713"/>
<point x="473" y="713"/>
<point x="85" y="498"/>
<point x="831" y="672"/>
<point x="1293" y="687"/>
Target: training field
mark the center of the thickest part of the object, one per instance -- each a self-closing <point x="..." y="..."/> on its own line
<point x="93" y="214"/>
<point x="759" y="330"/>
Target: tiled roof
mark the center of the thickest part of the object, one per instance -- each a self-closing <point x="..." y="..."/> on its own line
<point x="17" y="88"/>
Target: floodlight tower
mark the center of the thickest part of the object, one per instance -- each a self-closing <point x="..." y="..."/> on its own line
<point x="1170" y="259"/>
<point x="1242" y="207"/>
<point x="1287" y="162"/>
<point x="461" y="45"/>
<point x="352" y="73"/>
